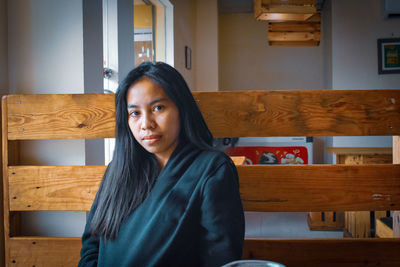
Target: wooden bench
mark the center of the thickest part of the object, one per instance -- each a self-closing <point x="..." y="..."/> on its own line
<point x="263" y="188"/>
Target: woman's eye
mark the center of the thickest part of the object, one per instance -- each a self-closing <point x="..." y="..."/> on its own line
<point x="134" y="113"/>
<point x="158" y="108"/>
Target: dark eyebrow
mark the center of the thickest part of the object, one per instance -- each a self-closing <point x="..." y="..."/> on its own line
<point x="151" y="103"/>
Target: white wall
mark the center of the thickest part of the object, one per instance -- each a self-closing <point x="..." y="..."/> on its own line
<point x="184" y="35"/>
<point x="45" y="46"/>
<point x="354" y="54"/>
<point x="248" y="62"/>
<point x="354" y="50"/>
<point x="206" y="53"/>
<point x="3" y="48"/>
<point x="45" y="43"/>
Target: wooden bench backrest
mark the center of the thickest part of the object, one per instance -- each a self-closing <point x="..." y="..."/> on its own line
<point x="263" y="188"/>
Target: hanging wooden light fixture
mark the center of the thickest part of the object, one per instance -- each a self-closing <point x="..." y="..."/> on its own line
<point x="290" y="22"/>
<point x="284" y="10"/>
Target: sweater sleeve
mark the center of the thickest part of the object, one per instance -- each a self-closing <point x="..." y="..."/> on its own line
<point x="222" y="217"/>
<point x="90" y="245"/>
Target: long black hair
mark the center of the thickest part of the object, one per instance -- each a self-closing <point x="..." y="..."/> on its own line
<point x="132" y="172"/>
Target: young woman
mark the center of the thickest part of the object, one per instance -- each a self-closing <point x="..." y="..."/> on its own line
<point x="167" y="198"/>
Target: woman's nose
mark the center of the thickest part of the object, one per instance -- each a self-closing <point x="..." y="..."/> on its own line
<point x="147" y="122"/>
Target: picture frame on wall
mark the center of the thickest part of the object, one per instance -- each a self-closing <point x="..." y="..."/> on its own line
<point x="188" y="57"/>
<point x="388" y="55"/>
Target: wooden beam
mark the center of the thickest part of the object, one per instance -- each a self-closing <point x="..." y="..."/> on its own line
<point x="320" y="187"/>
<point x="290" y="9"/>
<point x="60" y="116"/>
<point x="53" y="187"/>
<point x="294" y="43"/>
<point x="289" y="2"/>
<point x="44" y="251"/>
<point x="257" y="8"/>
<point x="228" y="114"/>
<point x="315" y="17"/>
<point x="325" y="252"/>
<point x="294" y="36"/>
<point x="301" y="113"/>
<point x="61" y="251"/>
<point x="4" y="146"/>
<point x="263" y="188"/>
<point x="359" y="150"/>
<point x="396" y="160"/>
<point x="282" y="17"/>
<point x="294" y="27"/>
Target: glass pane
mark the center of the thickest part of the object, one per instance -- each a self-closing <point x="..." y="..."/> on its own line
<point x="144" y="42"/>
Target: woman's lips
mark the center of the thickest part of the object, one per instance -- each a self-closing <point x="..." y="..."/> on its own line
<point x="151" y="139"/>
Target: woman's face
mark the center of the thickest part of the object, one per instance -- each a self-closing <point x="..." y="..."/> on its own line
<point x="153" y="119"/>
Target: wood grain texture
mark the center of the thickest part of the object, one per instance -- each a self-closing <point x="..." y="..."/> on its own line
<point x="44" y="251"/>
<point x="383" y="230"/>
<point x="60" y="116"/>
<point x="301" y="113"/>
<point x="228" y="114"/>
<point x="4" y="146"/>
<point x="320" y="187"/>
<point x="326" y="221"/>
<point x="325" y="252"/>
<point x="263" y="188"/>
<point x="293" y="43"/>
<point x="294" y="36"/>
<point x="359" y="150"/>
<point x="54" y="252"/>
<point x="294" y="27"/>
<point x="53" y="187"/>
<point x="289" y="2"/>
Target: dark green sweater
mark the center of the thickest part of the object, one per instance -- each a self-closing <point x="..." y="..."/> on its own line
<point x="192" y="217"/>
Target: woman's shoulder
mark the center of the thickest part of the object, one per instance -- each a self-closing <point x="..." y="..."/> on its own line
<point x="214" y="158"/>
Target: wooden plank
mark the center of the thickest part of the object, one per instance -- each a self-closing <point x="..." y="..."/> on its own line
<point x="258" y="113"/>
<point x="257" y="8"/>
<point x="359" y="150"/>
<point x="290" y="9"/>
<point x="4" y="146"/>
<point x="301" y="113"/>
<point x="320" y="187"/>
<point x="294" y="43"/>
<point x="325" y="252"/>
<point x="2" y="211"/>
<point x="332" y="221"/>
<point x="53" y="187"/>
<point x="294" y="36"/>
<point x="294" y="27"/>
<point x="263" y="188"/>
<point x="383" y="230"/>
<point x="238" y="160"/>
<point x="283" y="17"/>
<point x="289" y="2"/>
<point x="54" y="252"/>
<point x="396" y="160"/>
<point x="44" y="251"/>
<point x="60" y="116"/>
<point x="315" y="17"/>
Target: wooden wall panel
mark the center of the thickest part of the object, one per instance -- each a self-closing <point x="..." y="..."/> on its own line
<point x="228" y="114"/>
<point x="44" y="251"/>
<point x="60" y="116"/>
<point x="53" y="187"/>
<point x="325" y="252"/>
<point x="301" y="113"/>
<point x="263" y="188"/>
<point x="320" y="187"/>
<point x="54" y="252"/>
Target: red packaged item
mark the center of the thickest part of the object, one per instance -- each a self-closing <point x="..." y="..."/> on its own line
<point x="270" y="154"/>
